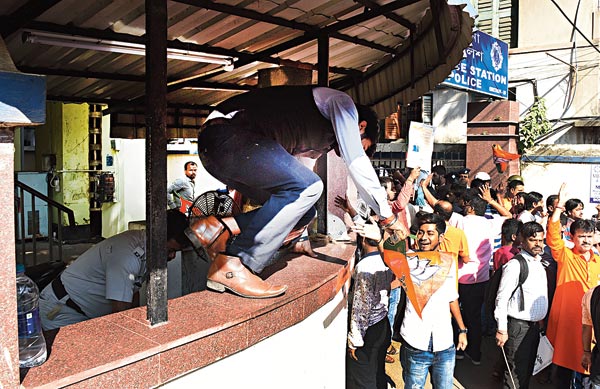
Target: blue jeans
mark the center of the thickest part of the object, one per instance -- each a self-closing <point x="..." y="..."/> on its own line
<point x="393" y="305"/>
<point x="416" y="365"/>
<point x="261" y="169"/>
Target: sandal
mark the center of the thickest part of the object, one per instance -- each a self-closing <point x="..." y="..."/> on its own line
<point x="389" y="359"/>
<point x="391" y="350"/>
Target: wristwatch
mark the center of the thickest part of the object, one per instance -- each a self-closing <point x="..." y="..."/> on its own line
<point x="463" y="331"/>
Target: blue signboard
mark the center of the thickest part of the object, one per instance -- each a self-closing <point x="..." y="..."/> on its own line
<point x="484" y="67"/>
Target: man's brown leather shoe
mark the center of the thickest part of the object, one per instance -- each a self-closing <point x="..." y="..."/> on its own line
<point x="228" y="272"/>
<point x="209" y="233"/>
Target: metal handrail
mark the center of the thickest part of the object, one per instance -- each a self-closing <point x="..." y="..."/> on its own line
<point x="43" y="197"/>
<point x="21" y="188"/>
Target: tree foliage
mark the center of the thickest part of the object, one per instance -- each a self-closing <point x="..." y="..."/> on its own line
<point x="534" y="125"/>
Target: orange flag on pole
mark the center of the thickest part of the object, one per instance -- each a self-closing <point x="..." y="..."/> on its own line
<point x="502" y="158"/>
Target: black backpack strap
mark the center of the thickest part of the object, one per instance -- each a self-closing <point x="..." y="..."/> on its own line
<point x="523" y="274"/>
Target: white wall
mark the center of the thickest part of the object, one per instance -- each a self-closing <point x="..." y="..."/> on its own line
<point x="310" y="354"/>
<point x="129" y="167"/>
<point x="541" y="22"/>
<point x="546" y="179"/>
<point x="545" y="52"/>
<point x="553" y="81"/>
<point x="450" y="115"/>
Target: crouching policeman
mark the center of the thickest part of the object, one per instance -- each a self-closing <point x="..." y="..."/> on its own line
<point x="106" y="278"/>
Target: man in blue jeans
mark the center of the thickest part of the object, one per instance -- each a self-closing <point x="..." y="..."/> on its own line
<point x="427" y="341"/>
<point x="252" y="142"/>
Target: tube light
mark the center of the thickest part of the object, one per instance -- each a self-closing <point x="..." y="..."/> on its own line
<point x="80" y="42"/>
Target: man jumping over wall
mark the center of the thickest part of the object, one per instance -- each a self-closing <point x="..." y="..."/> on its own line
<point x="251" y="143"/>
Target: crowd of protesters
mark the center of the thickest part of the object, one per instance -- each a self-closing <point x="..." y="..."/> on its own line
<point x="546" y="257"/>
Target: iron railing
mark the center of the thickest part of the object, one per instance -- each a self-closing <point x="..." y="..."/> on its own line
<point x="54" y="240"/>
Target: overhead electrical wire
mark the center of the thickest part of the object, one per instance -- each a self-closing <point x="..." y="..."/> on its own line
<point x="575" y="26"/>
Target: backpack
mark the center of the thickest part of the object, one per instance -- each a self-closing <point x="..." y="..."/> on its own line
<point x="494" y="284"/>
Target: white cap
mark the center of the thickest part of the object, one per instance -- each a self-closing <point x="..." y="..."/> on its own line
<point x="483" y="176"/>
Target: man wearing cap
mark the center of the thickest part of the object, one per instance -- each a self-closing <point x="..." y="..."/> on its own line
<point x="515" y="177"/>
<point x="483" y="176"/>
<point x="463" y="176"/>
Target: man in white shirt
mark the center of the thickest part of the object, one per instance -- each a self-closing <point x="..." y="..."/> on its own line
<point x="252" y="143"/>
<point x="519" y="309"/>
<point x="428" y="344"/>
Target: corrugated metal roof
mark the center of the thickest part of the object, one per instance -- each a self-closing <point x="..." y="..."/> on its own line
<point x="380" y="56"/>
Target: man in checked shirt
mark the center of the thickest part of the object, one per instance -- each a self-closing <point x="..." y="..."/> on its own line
<point x="519" y="309"/>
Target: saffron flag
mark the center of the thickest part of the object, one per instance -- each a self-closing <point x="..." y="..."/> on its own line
<point x="502" y="158"/>
<point x="421" y="273"/>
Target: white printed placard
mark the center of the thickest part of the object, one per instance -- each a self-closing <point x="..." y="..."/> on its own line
<point x="420" y="146"/>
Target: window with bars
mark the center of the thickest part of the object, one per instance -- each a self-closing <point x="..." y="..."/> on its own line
<point x="420" y="110"/>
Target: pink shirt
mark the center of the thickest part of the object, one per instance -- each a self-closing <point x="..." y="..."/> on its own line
<point x="504" y="254"/>
<point x="399" y="205"/>
<point x="480" y="233"/>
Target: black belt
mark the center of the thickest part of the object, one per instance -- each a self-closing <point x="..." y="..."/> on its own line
<point x="59" y="291"/>
<point x="529" y="322"/>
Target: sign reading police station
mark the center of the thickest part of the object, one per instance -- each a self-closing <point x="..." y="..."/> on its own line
<point x="484" y="67"/>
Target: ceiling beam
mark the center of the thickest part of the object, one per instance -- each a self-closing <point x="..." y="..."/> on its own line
<point x="25" y="14"/>
<point x="128" y="105"/>
<point x="335" y="27"/>
<point x="454" y="34"/>
<point x="435" y="13"/>
<point x="369" y="14"/>
<point x="309" y="36"/>
<point x="126" y="77"/>
<point x="264" y="17"/>
<point x="392" y="16"/>
<point x="81" y="74"/>
<point x="173" y="44"/>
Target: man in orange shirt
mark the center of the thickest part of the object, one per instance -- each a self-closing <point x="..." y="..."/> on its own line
<point x="578" y="271"/>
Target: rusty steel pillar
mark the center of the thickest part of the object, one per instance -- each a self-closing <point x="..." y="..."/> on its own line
<point x="321" y="165"/>
<point x="95" y="162"/>
<point x="156" y="159"/>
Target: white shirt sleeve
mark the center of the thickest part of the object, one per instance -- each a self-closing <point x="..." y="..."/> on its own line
<point x="339" y="108"/>
<point x="508" y="283"/>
